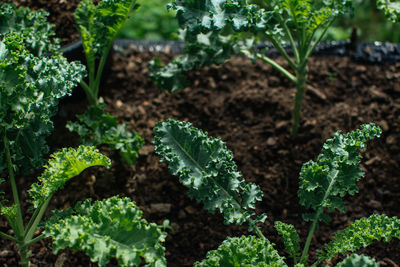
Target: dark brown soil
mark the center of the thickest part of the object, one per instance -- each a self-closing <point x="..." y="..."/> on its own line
<point x="248" y="106"/>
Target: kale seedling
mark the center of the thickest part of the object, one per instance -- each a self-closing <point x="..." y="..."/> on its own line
<point x="29" y="91"/>
<point x="206" y="167"/>
<point x="99" y="25"/>
<point x="299" y="23"/>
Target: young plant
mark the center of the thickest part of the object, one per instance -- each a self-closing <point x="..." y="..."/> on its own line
<point x="205" y="166"/>
<point x="99" y="25"/>
<point x="299" y="23"/>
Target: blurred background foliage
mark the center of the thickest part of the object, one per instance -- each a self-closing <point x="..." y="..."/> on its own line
<point x="154" y="22"/>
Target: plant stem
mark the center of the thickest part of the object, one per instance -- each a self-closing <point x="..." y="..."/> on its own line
<point x="31" y="231"/>
<point x="96" y="85"/>
<point x="89" y="94"/>
<point x="332" y="175"/>
<point x="24" y="253"/>
<point x="301" y="75"/>
<point x="19" y="231"/>
<point x="2" y="234"/>
<point x="278" y="67"/>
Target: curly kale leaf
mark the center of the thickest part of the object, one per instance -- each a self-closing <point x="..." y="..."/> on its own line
<point x="99" y="24"/>
<point x="325" y="182"/>
<point x="290" y="239"/>
<point x="111" y="228"/>
<point x="96" y="127"/>
<point x="204" y="16"/>
<point x="38" y="34"/>
<point x="391" y="9"/>
<point x="355" y="260"/>
<point x="361" y="233"/>
<point x="208" y="49"/>
<point x="280" y="20"/>
<point x="29" y="91"/>
<point x="206" y="167"/>
<point x="243" y="251"/>
<point x="62" y="166"/>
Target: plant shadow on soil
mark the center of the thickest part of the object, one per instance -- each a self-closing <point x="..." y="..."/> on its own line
<point x="249" y="107"/>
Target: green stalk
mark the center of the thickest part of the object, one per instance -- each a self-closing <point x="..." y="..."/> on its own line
<point x="6" y="236"/>
<point x="304" y="255"/>
<point x="278" y="67"/>
<point x="96" y="85"/>
<point x="291" y="40"/>
<point x="89" y="93"/>
<point x="283" y="52"/>
<point x="31" y="231"/>
<point x="19" y="222"/>
<point x="301" y="75"/>
<point x="24" y="254"/>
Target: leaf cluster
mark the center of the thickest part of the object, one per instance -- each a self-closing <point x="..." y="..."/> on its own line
<point x="96" y="127"/>
<point x="336" y="172"/>
<point x="206" y="167"/>
<point x="243" y="251"/>
<point x="38" y="34"/>
<point x="111" y="228"/>
<point x="30" y="87"/>
<point x="277" y="21"/>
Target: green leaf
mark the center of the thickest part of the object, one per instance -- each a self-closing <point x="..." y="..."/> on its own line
<point x="290" y="237"/>
<point x="360" y="234"/>
<point x="325" y="182"/>
<point x="96" y="127"/>
<point x="111" y="228"/>
<point x="29" y="91"/>
<point x="355" y="260"/>
<point x="62" y="166"/>
<point x="38" y="34"/>
<point x="99" y="24"/>
<point x="206" y="167"/>
<point x="244" y="251"/>
<point x="208" y="49"/>
<point x="391" y="9"/>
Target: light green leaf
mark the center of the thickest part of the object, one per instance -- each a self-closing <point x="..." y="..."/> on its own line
<point x="111" y="228"/>
<point x="244" y="251"/>
<point x="99" y="24"/>
<point x="335" y="173"/>
<point x="360" y="234"/>
<point x="206" y="167"/>
<point x="290" y="237"/>
<point x="62" y="166"/>
<point x="355" y="260"/>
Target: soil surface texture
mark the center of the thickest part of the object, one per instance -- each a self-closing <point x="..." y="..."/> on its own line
<point x="249" y="107"/>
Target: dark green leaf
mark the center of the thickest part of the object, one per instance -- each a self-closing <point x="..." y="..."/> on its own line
<point x="206" y="167"/>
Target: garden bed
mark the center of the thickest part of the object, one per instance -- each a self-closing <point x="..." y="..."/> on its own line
<point x="249" y="107"/>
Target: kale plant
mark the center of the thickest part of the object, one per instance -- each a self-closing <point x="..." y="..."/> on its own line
<point x="206" y="167"/>
<point x="29" y="91"/>
<point x="99" y="25"/>
<point x="301" y="24"/>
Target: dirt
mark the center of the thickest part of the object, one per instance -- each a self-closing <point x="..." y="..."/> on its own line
<point x="249" y="107"/>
